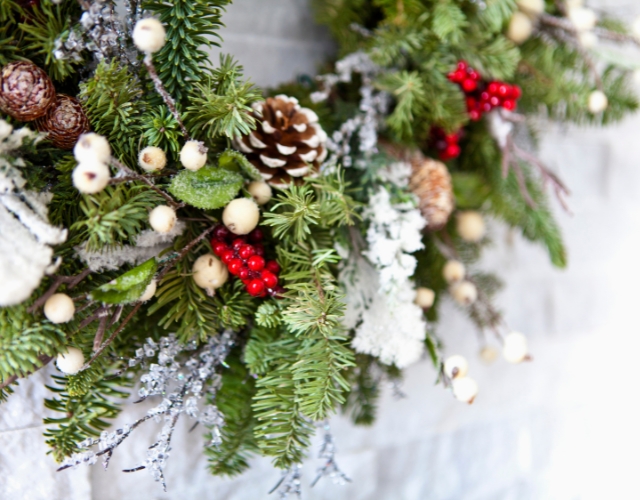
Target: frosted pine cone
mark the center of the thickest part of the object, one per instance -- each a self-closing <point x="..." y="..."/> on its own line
<point x="64" y="122"/>
<point x="431" y="183"/>
<point x="288" y="143"/>
<point x="26" y="92"/>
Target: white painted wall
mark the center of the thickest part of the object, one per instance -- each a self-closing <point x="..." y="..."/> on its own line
<point x="561" y="428"/>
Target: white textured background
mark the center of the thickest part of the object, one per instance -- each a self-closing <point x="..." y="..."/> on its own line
<point x="562" y="428"/>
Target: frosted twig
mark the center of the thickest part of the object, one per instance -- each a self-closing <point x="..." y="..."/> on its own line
<point x="289" y="483"/>
<point x="168" y="100"/>
<point x="330" y="467"/>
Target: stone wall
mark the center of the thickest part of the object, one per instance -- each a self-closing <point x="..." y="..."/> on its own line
<point x="560" y="428"/>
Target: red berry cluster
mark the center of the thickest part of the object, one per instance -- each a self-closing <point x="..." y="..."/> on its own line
<point x="482" y="97"/>
<point x="244" y="257"/>
<point x="446" y="144"/>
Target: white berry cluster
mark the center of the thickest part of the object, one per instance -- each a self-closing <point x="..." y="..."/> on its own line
<point x="463" y="291"/>
<point x="523" y="20"/>
<point x="93" y="153"/>
<point x="464" y="388"/>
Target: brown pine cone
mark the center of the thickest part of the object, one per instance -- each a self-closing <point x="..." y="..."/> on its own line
<point x="64" y="122"/>
<point x="26" y="92"/>
<point x="431" y="183"/>
<point x="288" y="143"/>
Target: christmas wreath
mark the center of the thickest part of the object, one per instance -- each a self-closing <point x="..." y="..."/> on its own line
<point x="255" y="261"/>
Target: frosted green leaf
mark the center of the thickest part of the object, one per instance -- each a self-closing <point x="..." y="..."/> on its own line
<point x="128" y="287"/>
<point x="207" y="188"/>
<point x="237" y="162"/>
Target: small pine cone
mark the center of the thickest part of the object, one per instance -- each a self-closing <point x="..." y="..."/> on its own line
<point x="64" y="122"/>
<point x="26" y="92"/>
<point x="288" y="143"/>
<point x="431" y="183"/>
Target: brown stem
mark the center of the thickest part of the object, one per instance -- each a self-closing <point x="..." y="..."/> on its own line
<point x="70" y="281"/>
<point x="136" y="176"/>
<point x="102" y="328"/>
<point x="171" y="104"/>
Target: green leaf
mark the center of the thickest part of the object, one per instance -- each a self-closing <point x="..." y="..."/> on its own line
<point x="128" y="287"/>
<point x="207" y="188"/>
<point x="237" y="162"/>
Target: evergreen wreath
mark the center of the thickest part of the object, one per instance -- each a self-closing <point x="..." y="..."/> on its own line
<point x="252" y="261"/>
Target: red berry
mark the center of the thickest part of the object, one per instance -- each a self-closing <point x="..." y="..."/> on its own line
<point x="503" y="90"/>
<point x="243" y="274"/>
<point x="486" y="107"/>
<point x="452" y="138"/>
<point x="469" y="85"/>
<point x="237" y="243"/>
<point x="463" y="65"/>
<point x="452" y="77"/>
<point x="471" y="103"/>
<point x="485" y="96"/>
<point x="269" y="279"/>
<point x="493" y="88"/>
<point x="516" y="92"/>
<point x="227" y="256"/>
<point x="219" y="247"/>
<point x="246" y="281"/>
<point x="474" y="75"/>
<point x="475" y="115"/>
<point x="246" y="251"/>
<point x="256" y="236"/>
<point x="452" y="151"/>
<point x="256" y="263"/>
<point x="235" y="265"/>
<point x="255" y="287"/>
<point x="272" y="266"/>
<point x="259" y="248"/>
<point x="221" y="233"/>
<point x="509" y="105"/>
<point x="458" y="76"/>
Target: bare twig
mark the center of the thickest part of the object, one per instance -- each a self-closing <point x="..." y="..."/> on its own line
<point x="70" y="281"/>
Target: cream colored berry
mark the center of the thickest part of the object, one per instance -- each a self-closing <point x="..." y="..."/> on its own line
<point x="92" y="148"/>
<point x="470" y="225"/>
<point x="515" y="347"/>
<point x="163" y="219"/>
<point x="531" y="7"/>
<point x="149" y="292"/>
<point x="489" y="354"/>
<point x="598" y="102"/>
<point x="456" y="366"/>
<point x="90" y="178"/>
<point x="193" y="155"/>
<point x="425" y="297"/>
<point x="453" y="271"/>
<point x="149" y="35"/>
<point x="209" y="273"/>
<point x="260" y="191"/>
<point x="588" y="39"/>
<point x="71" y="361"/>
<point x="465" y="389"/>
<point x="583" y="19"/>
<point x="520" y="28"/>
<point x="241" y="216"/>
<point x="464" y="293"/>
<point x="571" y="4"/>
<point x="59" y="308"/>
<point x="152" y="159"/>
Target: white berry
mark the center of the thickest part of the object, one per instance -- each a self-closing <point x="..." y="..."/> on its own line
<point x="532" y="7"/>
<point x="91" y="177"/>
<point x="465" y="389"/>
<point x="209" y="272"/>
<point x="261" y="192"/>
<point x="571" y="4"/>
<point x="425" y="297"/>
<point x="241" y="216"/>
<point x="453" y="271"/>
<point x="583" y="19"/>
<point x="489" y="354"/>
<point x="588" y="39"/>
<point x="59" y="308"/>
<point x="149" y="292"/>
<point x="515" y="348"/>
<point x="193" y="155"/>
<point x="520" y="28"/>
<point x="149" y="35"/>
<point x="635" y="28"/>
<point x="162" y="219"/>
<point x="456" y="366"/>
<point x="71" y="361"/>
<point x="471" y="226"/>
<point x="92" y="148"/>
<point x="598" y="102"/>
<point x="152" y="158"/>
<point x="464" y="293"/>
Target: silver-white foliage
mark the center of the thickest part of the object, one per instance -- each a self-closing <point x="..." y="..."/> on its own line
<point x="26" y="235"/>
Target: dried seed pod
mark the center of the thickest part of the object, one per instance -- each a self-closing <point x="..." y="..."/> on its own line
<point x="431" y="183"/>
<point x="26" y="92"/>
<point x="64" y="122"/>
<point x="288" y="143"/>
